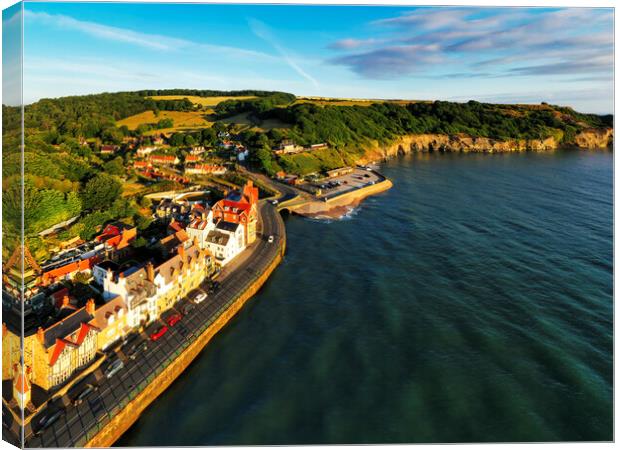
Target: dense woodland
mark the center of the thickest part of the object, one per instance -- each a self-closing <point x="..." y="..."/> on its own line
<point x="65" y="175"/>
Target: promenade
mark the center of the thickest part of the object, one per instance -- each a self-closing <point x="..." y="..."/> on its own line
<point x="82" y="424"/>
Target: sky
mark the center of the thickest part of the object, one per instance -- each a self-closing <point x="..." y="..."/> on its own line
<point x="504" y="55"/>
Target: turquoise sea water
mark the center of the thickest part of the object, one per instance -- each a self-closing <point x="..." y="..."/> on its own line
<point x="471" y="302"/>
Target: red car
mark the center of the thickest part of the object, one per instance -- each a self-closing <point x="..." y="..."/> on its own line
<point x="159" y="333"/>
<point x="173" y="319"/>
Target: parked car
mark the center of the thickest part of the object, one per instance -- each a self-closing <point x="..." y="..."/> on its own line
<point x="187" y="308"/>
<point x="113" y="368"/>
<point x="85" y="393"/>
<point x="199" y="298"/>
<point x="159" y="333"/>
<point x="48" y="419"/>
<point x="270" y="240"/>
<point x="174" y="319"/>
<point x="274" y="202"/>
<point x="136" y="349"/>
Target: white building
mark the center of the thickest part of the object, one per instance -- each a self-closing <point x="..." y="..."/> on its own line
<point x="225" y="241"/>
<point x="137" y="289"/>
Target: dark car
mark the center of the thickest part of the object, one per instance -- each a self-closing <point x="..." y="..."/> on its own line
<point x="187" y="308"/>
<point x="113" y="368"/>
<point x="85" y="393"/>
<point x="48" y="419"/>
<point x="136" y="349"/>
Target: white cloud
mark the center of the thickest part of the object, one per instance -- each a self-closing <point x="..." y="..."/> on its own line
<point x="146" y="40"/>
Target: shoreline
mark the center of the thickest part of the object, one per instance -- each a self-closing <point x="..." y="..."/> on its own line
<point x="340" y="206"/>
<point x="131" y="412"/>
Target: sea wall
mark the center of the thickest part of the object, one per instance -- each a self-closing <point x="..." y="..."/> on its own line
<point x="121" y="422"/>
<point x="586" y="139"/>
<point x="335" y="206"/>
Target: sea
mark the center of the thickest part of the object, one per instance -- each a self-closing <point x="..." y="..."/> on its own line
<point x="472" y="302"/>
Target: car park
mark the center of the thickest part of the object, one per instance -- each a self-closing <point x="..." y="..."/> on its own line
<point x="159" y="333"/>
<point x="113" y="368"/>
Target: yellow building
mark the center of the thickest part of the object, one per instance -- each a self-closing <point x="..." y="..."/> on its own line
<point x="54" y="354"/>
<point x="177" y="276"/>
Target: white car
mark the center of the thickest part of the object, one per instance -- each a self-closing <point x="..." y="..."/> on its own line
<point x="274" y="202"/>
<point x="200" y="298"/>
<point x="270" y="239"/>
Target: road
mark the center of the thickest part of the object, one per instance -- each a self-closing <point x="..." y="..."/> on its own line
<point x="79" y="423"/>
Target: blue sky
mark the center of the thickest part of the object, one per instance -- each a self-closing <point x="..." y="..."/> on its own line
<point x="529" y="55"/>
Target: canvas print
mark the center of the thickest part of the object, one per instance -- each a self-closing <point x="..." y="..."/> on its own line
<point x="244" y="224"/>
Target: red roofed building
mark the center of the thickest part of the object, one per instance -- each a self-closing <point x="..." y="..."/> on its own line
<point x="163" y="160"/>
<point x="204" y="169"/>
<point x="141" y="164"/>
<point x="240" y="207"/>
<point x="117" y="237"/>
<point x="68" y="270"/>
<point x="192" y="159"/>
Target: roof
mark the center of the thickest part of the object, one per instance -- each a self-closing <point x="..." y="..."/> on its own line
<point x="65" y="327"/>
<point x="227" y="226"/>
<point x="219" y="238"/>
<point x="113" y="306"/>
<point x="107" y="264"/>
<point x="176" y="226"/>
<point x="198" y="224"/>
<point x="169" y="269"/>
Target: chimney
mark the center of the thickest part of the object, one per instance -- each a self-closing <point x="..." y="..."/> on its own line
<point x="90" y="306"/>
<point x="41" y="335"/>
<point x="150" y="272"/>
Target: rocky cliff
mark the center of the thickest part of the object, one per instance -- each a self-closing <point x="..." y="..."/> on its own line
<point x="587" y="139"/>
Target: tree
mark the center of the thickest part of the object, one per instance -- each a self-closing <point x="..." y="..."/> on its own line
<point x="115" y="166"/>
<point x="100" y="192"/>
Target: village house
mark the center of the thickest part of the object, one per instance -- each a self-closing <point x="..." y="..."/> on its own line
<point x="164" y="160"/>
<point x="135" y="286"/>
<point x="242" y="208"/>
<point x="116" y="238"/>
<point x="197" y="150"/>
<point x="200" y="226"/>
<point x="287" y="147"/>
<point x="157" y="139"/>
<point x="54" y="353"/>
<point x="145" y="150"/>
<point x="169" y="209"/>
<point x="108" y="149"/>
<point x="205" y="169"/>
<point x="141" y="165"/>
<point x="111" y="321"/>
<point x="225" y="241"/>
<point x="192" y="159"/>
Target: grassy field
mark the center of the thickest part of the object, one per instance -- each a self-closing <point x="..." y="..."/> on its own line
<point x="349" y="101"/>
<point x="182" y="120"/>
<point x="202" y="101"/>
